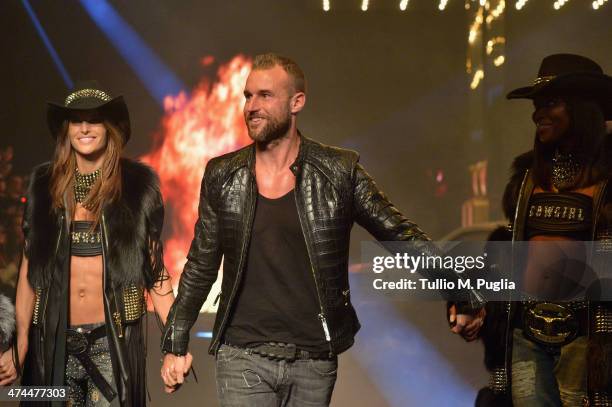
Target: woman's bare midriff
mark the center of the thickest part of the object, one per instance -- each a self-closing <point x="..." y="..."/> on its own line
<point x="542" y="280"/>
<point x="86" y="275"/>
<point x="86" y="304"/>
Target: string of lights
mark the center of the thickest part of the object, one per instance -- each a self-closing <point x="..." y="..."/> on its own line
<point x="475" y="27"/>
<point x="496" y="12"/>
<point x="488" y="12"/>
<point x="492" y="15"/>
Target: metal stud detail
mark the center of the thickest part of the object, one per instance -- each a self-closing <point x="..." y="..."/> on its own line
<point x="134" y="303"/>
<point x="87" y="93"/>
<point x="602" y="320"/>
<point x="83" y="184"/>
<point x="498" y="382"/>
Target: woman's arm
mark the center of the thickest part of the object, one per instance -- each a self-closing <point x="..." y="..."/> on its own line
<point x="24" y="306"/>
<point x="162" y="296"/>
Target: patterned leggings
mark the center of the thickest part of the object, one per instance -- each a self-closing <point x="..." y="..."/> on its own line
<point x="83" y="391"/>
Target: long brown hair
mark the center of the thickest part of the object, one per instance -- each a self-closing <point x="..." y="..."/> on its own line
<point x="106" y="189"/>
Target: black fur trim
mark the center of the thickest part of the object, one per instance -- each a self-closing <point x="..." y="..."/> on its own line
<point x="40" y="226"/>
<point x="134" y="223"/>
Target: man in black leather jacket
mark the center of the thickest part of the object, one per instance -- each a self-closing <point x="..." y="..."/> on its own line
<point x="279" y="212"/>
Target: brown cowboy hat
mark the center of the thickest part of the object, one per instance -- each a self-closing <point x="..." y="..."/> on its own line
<point x="89" y="95"/>
<point x="570" y="75"/>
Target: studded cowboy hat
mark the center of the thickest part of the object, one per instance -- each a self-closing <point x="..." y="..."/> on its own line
<point x="89" y="95"/>
<point x="570" y="75"/>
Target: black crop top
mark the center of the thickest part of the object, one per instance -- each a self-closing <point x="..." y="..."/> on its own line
<point x="566" y="214"/>
<point x="85" y="243"/>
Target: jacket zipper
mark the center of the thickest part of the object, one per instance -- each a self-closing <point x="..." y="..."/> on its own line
<point x="239" y="273"/>
<point x="314" y="276"/>
<point x="116" y="315"/>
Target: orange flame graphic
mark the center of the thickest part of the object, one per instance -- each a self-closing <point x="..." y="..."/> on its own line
<point x="194" y="129"/>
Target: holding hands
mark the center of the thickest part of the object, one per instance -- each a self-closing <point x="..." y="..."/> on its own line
<point x="174" y="370"/>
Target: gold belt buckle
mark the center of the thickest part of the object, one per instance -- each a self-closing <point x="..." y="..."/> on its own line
<point x="550" y="324"/>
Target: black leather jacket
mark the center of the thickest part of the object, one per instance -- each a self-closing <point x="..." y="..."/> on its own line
<point x="332" y="192"/>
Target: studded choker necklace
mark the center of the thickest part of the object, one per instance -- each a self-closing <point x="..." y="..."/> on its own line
<point x="565" y="170"/>
<point x="83" y="184"/>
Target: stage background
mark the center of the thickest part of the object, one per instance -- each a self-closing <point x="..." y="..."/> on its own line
<point x="390" y="84"/>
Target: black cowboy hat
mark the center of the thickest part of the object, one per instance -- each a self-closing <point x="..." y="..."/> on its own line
<point x="570" y="75"/>
<point x="89" y="95"/>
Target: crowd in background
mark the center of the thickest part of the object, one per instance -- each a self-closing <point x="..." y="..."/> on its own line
<point x="12" y="201"/>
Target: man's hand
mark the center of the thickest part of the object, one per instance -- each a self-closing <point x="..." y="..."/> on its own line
<point x="466" y="325"/>
<point x="8" y="373"/>
<point x="174" y="369"/>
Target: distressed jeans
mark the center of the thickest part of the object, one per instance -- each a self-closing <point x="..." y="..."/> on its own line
<point x="542" y="378"/>
<point x="245" y="379"/>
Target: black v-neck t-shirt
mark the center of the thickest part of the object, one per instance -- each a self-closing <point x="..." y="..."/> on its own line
<point x="277" y="299"/>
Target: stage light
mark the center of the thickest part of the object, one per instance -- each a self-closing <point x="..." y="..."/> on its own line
<point x="364" y="5"/>
<point x="325" y="5"/>
<point x="442" y="4"/>
<point x="155" y="75"/>
<point x="493" y="42"/>
<point x="598" y="3"/>
<point x="475" y="27"/>
<point x="499" y="10"/>
<point x="478" y="76"/>
<point x="45" y="39"/>
<point x="403" y="5"/>
<point x="387" y="326"/>
<point x="520" y="4"/>
<point x="499" y="61"/>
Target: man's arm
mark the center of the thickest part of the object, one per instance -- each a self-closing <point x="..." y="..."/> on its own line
<point x="378" y="216"/>
<point x="199" y="274"/>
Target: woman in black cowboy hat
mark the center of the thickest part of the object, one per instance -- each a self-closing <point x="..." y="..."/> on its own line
<point x="93" y="247"/>
<point x="558" y="353"/>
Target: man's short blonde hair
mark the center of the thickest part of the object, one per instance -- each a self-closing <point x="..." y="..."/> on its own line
<point x="270" y="60"/>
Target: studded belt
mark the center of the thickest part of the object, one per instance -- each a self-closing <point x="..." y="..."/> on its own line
<point x="284" y="351"/>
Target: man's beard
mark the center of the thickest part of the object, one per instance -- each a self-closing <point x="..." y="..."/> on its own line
<point x="273" y="130"/>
